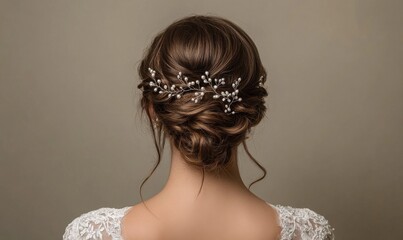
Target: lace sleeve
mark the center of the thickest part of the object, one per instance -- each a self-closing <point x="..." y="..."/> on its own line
<point x="101" y="224"/>
<point x="304" y="224"/>
<point x="90" y="230"/>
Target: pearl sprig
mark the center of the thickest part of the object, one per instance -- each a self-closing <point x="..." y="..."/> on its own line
<point x="174" y="91"/>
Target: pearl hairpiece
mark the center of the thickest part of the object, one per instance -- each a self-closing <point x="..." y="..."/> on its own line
<point x="175" y="91"/>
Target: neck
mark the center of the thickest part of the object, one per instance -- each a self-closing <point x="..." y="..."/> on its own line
<point x="185" y="180"/>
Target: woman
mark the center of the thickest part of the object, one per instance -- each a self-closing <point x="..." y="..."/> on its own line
<point x="203" y="90"/>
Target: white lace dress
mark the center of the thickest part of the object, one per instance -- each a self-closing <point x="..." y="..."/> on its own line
<point x="105" y="224"/>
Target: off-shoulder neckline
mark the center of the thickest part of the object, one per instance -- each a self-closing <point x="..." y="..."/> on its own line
<point x="125" y="211"/>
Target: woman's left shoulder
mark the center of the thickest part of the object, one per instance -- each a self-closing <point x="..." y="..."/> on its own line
<point x="304" y="223"/>
<point x="102" y="223"/>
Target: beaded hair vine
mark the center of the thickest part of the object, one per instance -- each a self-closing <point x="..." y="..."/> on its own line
<point x="174" y="91"/>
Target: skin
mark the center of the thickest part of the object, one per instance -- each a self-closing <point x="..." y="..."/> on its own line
<point x="225" y="208"/>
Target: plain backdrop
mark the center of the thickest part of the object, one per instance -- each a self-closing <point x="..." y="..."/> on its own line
<point x="72" y="140"/>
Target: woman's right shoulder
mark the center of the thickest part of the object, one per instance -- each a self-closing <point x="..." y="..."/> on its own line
<point x="303" y="224"/>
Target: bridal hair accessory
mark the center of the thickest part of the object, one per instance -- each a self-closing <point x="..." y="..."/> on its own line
<point x="174" y="91"/>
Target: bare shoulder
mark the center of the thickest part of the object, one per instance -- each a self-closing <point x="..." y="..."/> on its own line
<point x="255" y="220"/>
<point x="140" y="224"/>
<point x="262" y="221"/>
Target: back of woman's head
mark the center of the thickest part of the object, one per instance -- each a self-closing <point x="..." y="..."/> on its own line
<point x="203" y="131"/>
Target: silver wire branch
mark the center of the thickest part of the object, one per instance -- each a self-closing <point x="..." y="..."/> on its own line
<point x="174" y="91"/>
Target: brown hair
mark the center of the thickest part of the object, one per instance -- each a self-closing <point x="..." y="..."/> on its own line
<point x="202" y="132"/>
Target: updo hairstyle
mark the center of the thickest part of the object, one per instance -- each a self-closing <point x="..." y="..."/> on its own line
<point x="201" y="131"/>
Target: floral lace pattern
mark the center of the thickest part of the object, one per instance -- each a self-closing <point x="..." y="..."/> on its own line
<point x="303" y="224"/>
<point x="105" y="224"/>
<point x="100" y="224"/>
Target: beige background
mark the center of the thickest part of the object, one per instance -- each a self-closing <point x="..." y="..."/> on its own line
<point x="71" y="139"/>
